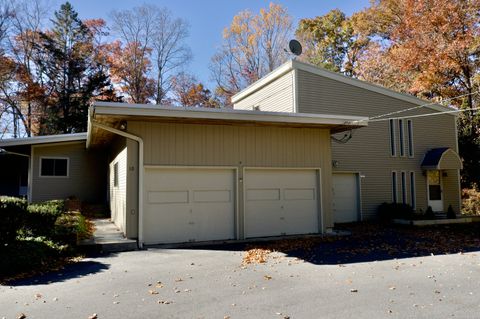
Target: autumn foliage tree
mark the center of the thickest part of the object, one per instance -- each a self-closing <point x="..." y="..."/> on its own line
<point x="252" y="46"/>
<point x="189" y="92"/>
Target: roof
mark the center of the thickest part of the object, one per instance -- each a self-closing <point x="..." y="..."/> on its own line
<point x="441" y="158"/>
<point x="297" y="65"/>
<point x="43" y="139"/>
<point x="113" y="113"/>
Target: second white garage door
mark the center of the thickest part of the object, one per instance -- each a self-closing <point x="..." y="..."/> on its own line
<point x="345" y="197"/>
<point x="281" y="202"/>
<point x="188" y="204"/>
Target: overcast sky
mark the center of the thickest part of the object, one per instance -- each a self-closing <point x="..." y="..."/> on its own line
<point x="208" y="18"/>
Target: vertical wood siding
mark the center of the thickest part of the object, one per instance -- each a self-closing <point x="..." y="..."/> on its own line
<point x="238" y="146"/>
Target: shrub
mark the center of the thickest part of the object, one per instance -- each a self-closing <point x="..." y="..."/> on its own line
<point x="12" y="214"/>
<point x="70" y="227"/>
<point x="470" y="201"/>
<point x="41" y="217"/>
<point x="429" y="214"/>
<point x="451" y="213"/>
<point x="389" y="211"/>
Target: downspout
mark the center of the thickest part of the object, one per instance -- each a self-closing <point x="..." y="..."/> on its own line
<point x="140" y="171"/>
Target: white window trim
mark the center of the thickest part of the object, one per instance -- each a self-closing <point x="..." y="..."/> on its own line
<point x="411" y="147"/>
<point x="54" y="157"/>
<point x="394" y="186"/>
<point x="413" y="191"/>
<point x="403" y="184"/>
<point x="392" y="135"/>
<point x="401" y="135"/>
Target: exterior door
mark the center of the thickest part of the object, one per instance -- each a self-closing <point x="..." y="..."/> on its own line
<point x="281" y="202"/>
<point x="435" y="191"/>
<point x="345" y="198"/>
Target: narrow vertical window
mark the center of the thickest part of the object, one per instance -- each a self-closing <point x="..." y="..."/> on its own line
<point x="394" y="187"/>
<point x="410" y="138"/>
<point x="392" y="138"/>
<point x="402" y="137"/>
<point x="412" y="190"/>
<point x="404" y="187"/>
<point x="115" y="175"/>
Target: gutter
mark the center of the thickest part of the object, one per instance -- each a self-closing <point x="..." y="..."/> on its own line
<point x="92" y="123"/>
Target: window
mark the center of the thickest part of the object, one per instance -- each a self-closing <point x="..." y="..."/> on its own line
<point x="412" y="190"/>
<point x="53" y="167"/>
<point x="402" y="137"/>
<point x="404" y="187"/>
<point x="115" y="175"/>
<point x="410" y="138"/>
<point x="393" y="151"/>
<point x="394" y="187"/>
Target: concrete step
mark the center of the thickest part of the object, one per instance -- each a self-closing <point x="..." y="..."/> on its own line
<point x="107" y="238"/>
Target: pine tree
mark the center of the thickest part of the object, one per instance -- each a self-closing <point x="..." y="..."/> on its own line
<point x="73" y="74"/>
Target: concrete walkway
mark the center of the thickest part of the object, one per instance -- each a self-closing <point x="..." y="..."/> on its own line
<point x="108" y="238"/>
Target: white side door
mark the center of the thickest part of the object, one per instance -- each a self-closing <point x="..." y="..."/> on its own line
<point x="345" y="197"/>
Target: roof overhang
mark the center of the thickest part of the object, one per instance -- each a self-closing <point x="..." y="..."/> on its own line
<point x="297" y="65"/>
<point x="46" y="139"/>
<point x="115" y="114"/>
<point x="441" y="158"/>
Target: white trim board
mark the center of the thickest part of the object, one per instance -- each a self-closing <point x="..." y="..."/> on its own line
<point x="47" y="139"/>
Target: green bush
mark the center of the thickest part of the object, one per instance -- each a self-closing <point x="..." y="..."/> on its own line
<point x="41" y="217"/>
<point x="451" y="213"/>
<point x="429" y="214"/>
<point x="12" y="214"/>
<point x="389" y="211"/>
<point x="70" y="227"/>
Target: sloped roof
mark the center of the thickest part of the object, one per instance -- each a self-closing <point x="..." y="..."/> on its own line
<point x="297" y="65"/>
<point x="43" y="139"/>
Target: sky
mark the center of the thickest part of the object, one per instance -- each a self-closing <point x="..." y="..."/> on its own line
<point x="208" y="18"/>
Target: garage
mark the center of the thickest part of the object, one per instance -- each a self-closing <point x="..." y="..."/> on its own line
<point x="281" y="202"/>
<point x="346" y="195"/>
<point x="189" y="204"/>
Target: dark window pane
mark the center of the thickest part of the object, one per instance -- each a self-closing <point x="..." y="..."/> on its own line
<point x="47" y="166"/>
<point x="435" y="192"/>
<point x="60" y="167"/>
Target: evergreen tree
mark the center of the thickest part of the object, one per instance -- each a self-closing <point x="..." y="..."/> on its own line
<point x="73" y="74"/>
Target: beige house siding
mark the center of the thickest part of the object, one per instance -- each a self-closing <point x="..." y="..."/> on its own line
<point x="124" y="198"/>
<point x="369" y="150"/>
<point x="239" y="146"/>
<point x="87" y="176"/>
<point x="118" y="193"/>
<point x="277" y="96"/>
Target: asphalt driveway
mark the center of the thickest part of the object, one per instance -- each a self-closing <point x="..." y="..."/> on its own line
<point x="211" y="282"/>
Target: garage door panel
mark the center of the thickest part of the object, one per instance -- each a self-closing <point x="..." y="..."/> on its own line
<point x="280" y="202"/>
<point x="212" y="196"/>
<point x="189" y="205"/>
<point x="345" y="197"/>
<point x="168" y="197"/>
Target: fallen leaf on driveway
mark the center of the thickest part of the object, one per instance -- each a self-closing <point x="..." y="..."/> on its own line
<point x="94" y="316"/>
<point x="22" y="316"/>
<point x="267" y="277"/>
<point x="38" y="296"/>
<point x="153" y="292"/>
<point x="353" y="290"/>
<point x="178" y="279"/>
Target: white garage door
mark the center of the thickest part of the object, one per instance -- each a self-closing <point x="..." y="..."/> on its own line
<point x="280" y="202"/>
<point x="183" y="205"/>
<point x="345" y="198"/>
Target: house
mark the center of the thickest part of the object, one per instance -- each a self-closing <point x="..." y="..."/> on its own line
<point x="403" y="157"/>
<point x="190" y="174"/>
<point x="279" y="163"/>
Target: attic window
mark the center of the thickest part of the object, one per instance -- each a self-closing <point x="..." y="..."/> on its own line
<point x="54" y="167"/>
